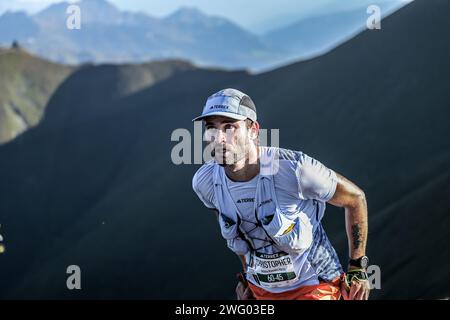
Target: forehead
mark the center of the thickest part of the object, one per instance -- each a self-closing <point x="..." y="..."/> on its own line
<point x="215" y="120"/>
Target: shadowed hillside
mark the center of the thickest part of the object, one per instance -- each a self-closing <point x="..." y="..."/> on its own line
<point x="407" y="260"/>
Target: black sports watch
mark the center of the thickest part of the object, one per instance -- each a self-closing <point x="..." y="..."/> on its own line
<point x="362" y="262"/>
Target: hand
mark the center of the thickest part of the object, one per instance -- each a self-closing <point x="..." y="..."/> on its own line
<point x="243" y="291"/>
<point x="357" y="289"/>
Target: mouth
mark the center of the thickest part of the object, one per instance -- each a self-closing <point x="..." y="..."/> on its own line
<point x="221" y="152"/>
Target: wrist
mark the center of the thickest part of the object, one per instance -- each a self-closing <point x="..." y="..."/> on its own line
<point x="353" y="268"/>
<point x="360" y="263"/>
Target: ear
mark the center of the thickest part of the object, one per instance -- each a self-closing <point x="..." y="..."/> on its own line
<point x="254" y="130"/>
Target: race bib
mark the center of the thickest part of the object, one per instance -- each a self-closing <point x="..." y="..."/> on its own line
<point x="273" y="270"/>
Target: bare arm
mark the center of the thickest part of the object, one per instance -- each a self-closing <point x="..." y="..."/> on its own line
<point x="353" y="199"/>
<point x="244" y="263"/>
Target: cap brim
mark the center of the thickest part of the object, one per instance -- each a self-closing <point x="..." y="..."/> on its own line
<point x="224" y="114"/>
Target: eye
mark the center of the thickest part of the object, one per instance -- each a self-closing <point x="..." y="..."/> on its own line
<point x="229" y="127"/>
<point x="210" y="133"/>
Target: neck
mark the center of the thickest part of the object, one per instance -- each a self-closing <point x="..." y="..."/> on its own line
<point x="245" y="169"/>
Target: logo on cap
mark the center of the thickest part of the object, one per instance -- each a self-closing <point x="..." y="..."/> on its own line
<point x="218" y="106"/>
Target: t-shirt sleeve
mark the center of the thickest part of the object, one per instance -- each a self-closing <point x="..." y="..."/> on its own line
<point x="202" y="183"/>
<point x="315" y="180"/>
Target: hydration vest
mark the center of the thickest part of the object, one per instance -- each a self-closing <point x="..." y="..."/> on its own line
<point x="277" y="232"/>
<point x="291" y="233"/>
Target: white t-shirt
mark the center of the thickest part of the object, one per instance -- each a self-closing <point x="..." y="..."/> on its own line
<point x="299" y="183"/>
<point x="299" y="177"/>
<point x="243" y="195"/>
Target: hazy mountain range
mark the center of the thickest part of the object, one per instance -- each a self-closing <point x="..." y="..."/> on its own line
<point x="93" y="183"/>
<point x="110" y="35"/>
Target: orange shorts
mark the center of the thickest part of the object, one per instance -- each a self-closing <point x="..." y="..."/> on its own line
<point x="322" y="291"/>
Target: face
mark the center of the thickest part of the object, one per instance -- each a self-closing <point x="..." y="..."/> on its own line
<point x="228" y="139"/>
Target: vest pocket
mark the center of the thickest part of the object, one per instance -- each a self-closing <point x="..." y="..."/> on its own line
<point x="228" y="226"/>
<point x="229" y="230"/>
<point x="291" y="233"/>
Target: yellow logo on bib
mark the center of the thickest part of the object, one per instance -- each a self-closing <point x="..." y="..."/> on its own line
<point x="288" y="229"/>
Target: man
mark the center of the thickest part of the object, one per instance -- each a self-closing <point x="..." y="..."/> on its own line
<point x="269" y="203"/>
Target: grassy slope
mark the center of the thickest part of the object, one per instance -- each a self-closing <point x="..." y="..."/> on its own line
<point x="26" y="84"/>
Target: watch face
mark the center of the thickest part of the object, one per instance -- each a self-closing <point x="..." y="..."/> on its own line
<point x="364" y="262"/>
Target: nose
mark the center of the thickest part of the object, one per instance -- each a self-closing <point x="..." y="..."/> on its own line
<point x="216" y="136"/>
<point x="221" y="136"/>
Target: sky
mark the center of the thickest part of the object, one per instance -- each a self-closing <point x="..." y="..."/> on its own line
<point x="255" y="15"/>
